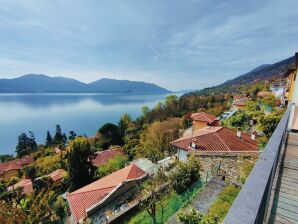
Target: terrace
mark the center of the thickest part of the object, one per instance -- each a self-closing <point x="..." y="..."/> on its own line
<point x="270" y="194"/>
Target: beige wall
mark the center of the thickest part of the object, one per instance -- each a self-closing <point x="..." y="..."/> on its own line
<point x="7" y="175"/>
<point x="196" y="125"/>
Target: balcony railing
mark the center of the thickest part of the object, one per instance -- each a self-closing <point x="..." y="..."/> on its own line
<point x="252" y="203"/>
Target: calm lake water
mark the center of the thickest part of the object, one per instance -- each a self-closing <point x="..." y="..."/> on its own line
<point x="83" y="113"/>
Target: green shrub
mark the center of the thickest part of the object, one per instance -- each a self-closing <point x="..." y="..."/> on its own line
<point x="190" y="216"/>
<point x="224" y="201"/>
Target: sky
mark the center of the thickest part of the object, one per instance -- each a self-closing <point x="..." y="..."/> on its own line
<point x="174" y="43"/>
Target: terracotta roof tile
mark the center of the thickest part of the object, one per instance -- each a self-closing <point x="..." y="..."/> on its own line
<point x="218" y="139"/>
<point x="102" y="157"/>
<point x="202" y="116"/>
<point x="15" y="164"/>
<point x="93" y="193"/>
<point x="25" y="183"/>
<point x="58" y="174"/>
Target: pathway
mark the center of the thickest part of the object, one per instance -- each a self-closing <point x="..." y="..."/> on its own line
<point x="205" y="198"/>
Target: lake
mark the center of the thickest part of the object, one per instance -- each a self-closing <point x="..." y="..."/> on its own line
<point x="82" y="113"/>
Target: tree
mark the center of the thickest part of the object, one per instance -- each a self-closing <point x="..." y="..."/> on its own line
<point x="108" y="135"/>
<point x="131" y="140"/>
<point x="145" y="110"/>
<point x="152" y="192"/>
<point x="60" y="208"/>
<point x="81" y="170"/>
<point x="269" y="123"/>
<point x="25" y="145"/>
<point x="185" y="174"/>
<point x="30" y="172"/>
<point x="72" y="135"/>
<point x="37" y="208"/>
<point x="155" y="141"/>
<point x="123" y="124"/>
<point x="58" y="138"/>
<point x="49" y="139"/>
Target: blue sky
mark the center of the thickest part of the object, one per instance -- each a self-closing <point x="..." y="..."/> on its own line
<point x="176" y="44"/>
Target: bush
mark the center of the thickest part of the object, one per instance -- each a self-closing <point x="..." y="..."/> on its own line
<point x="190" y="216"/>
<point x="112" y="165"/>
<point x="186" y="174"/>
<point x="221" y="206"/>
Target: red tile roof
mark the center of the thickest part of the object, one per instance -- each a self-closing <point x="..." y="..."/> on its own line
<point x="15" y="164"/>
<point x="102" y="157"/>
<point x="25" y="183"/>
<point x="87" y="196"/>
<point x="240" y="103"/>
<point x="58" y="175"/>
<point x="202" y="116"/>
<point x="217" y="139"/>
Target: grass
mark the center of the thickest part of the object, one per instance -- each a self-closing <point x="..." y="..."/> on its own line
<point x="172" y="201"/>
<point x="48" y="161"/>
<point x="222" y="204"/>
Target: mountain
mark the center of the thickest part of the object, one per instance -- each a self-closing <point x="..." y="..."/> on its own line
<point x="262" y="72"/>
<point x="39" y="83"/>
<point x="267" y="71"/>
<point x="111" y="85"/>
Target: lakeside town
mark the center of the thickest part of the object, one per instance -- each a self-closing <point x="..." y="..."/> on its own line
<point x="183" y="161"/>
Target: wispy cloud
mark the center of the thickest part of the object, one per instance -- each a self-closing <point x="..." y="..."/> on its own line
<point x="177" y="44"/>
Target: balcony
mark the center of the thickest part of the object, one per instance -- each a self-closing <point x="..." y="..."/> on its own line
<point x="270" y="194"/>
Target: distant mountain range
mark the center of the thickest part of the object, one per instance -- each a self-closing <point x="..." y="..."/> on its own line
<point x="38" y="83"/>
<point x="263" y="72"/>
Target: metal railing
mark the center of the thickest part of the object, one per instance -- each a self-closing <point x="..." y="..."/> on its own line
<point x="251" y="205"/>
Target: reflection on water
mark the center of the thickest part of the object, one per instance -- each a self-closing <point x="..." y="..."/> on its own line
<point x="83" y="113"/>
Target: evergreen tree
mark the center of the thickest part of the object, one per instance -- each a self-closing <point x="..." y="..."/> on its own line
<point x="81" y="170"/>
<point x="64" y="137"/>
<point x="109" y="135"/>
<point x="72" y="135"/>
<point x="49" y="139"/>
<point x="123" y="124"/>
<point x="58" y="138"/>
<point x="26" y="144"/>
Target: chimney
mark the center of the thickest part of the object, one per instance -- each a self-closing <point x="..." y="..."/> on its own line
<point x="253" y="135"/>
<point x="193" y="144"/>
<point x="239" y="132"/>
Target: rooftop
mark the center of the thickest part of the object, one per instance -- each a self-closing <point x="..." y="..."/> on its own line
<point x="202" y="116"/>
<point x="26" y="184"/>
<point x="58" y="174"/>
<point x="15" y="164"/>
<point x="96" y="192"/>
<point x="219" y="139"/>
<point x="102" y="157"/>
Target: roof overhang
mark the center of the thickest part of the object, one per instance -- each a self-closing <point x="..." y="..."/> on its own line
<point x="94" y="207"/>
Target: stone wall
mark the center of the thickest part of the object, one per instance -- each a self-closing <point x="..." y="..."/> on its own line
<point x="227" y="166"/>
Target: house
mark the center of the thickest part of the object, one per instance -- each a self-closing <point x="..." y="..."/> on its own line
<point x="11" y="168"/>
<point x="202" y="119"/>
<point x="227" y="114"/>
<point x="102" y="157"/>
<point x="290" y="75"/>
<point x="146" y="165"/>
<point x="265" y="94"/>
<point x="58" y="175"/>
<point x="96" y="199"/>
<point x="240" y="102"/>
<point x="26" y="184"/>
<point x="212" y="140"/>
<point x="217" y="145"/>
